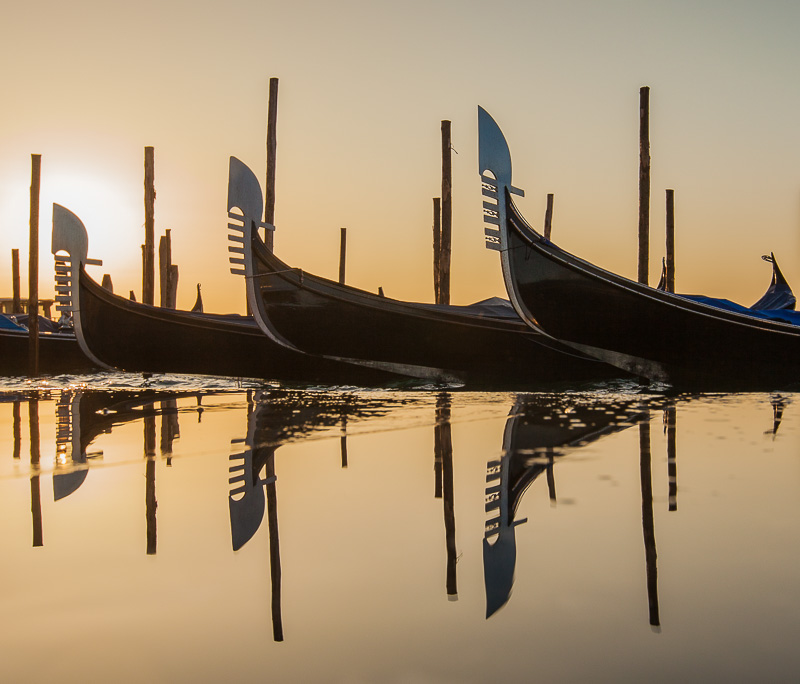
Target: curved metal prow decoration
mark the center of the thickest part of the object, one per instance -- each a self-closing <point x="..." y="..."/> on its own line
<point x="494" y="161"/>
<point x="494" y="157"/>
<point x="70" y="236"/>
<point x="244" y="194"/>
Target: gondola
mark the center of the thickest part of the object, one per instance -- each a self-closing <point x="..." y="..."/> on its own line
<point x="484" y="345"/>
<point x="680" y="340"/>
<point x="59" y="352"/>
<point x="120" y="334"/>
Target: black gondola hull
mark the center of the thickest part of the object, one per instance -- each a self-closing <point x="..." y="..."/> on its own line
<point x="655" y="334"/>
<point x="136" y="337"/>
<point x="322" y="317"/>
<point x="59" y="353"/>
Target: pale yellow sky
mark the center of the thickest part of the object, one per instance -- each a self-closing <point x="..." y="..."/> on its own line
<point x="363" y="88"/>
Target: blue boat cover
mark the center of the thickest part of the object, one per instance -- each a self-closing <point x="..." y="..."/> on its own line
<point x="7" y="323"/>
<point x="782" y="315"/>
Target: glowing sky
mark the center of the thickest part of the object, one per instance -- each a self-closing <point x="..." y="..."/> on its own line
<point x="363" y="88"/>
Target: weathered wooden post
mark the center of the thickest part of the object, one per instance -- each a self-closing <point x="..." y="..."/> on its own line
<point x="670" y="263"/>
<point x="107" y="284"/>
<point x="16" y="305"/>
<point x="548" y="217"/>
<point x="172" y="289"/>
<point x="437" y="249"/>
<point x="33" y="269"/>
<point x="164" y="261"/>
<point x="148" y="250"/>
<point x="447" y="214"/>
<point x="644" y="183"/>
<point x="342" y="254"/>
<point x="272" y="147"/>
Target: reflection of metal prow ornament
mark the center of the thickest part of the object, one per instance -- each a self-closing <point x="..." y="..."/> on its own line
<point x="500" y="555"/>
<point x="68" y="446"/>
<point x="246" y="500"/>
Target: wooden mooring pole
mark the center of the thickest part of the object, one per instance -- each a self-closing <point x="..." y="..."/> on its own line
<point x="437" y="249"/>
<point x="548" y="217"/>
<point x="33" y="269"/>
<point x="148" y="254"/>
<point x="342" y="254"/>
<point x="168" y="272"/>
<point x="272" y="147"/>
<point x="447" y="214"/>
<point x="644" y="183"/>
<point x="670" y="262"/>
<point x="16" y="304"/>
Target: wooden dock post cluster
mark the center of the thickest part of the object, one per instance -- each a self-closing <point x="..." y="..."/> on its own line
<point x="443" y="223"/>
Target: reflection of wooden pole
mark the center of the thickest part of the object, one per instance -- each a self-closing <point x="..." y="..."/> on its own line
<point x="274" y="549"/>
<point x="551" y="479"/>
<point x="344" y="441"/>
<point x="33" y="269"/>
<point x="672" y="464"/>
<point x="17" y="430"/>
<point x="149" y="258"/>
<point x="648" y="522"/>
<point x="548" y="217"/>
<point x="36" y="498"/>
<point x="437" y="249"/>
<point x="644" y="183"/>
<point x="342" y="254"/>
<point x="670" y="261"/>
<point x="150" y="483"/>
<point x="445" y="443"/>
<point x="447" y="214"/>
<point x="272" y="148"/>
<point x="16" y="305"/>
<point x="170" y="429"/>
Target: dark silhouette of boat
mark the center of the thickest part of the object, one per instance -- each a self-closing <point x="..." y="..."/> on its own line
<point x="58" y="348"/>
<point x="485" y="344"/>
<point x="689" y="341"/>
<point x="117" y="333"/>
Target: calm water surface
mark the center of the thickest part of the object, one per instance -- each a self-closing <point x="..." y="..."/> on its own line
<point x="174" y="532"/>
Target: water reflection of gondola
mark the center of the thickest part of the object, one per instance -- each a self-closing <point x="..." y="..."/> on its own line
<point x="275" y="418"/>
<point x="537" y="426"/>
<point x="84" y="415"/>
